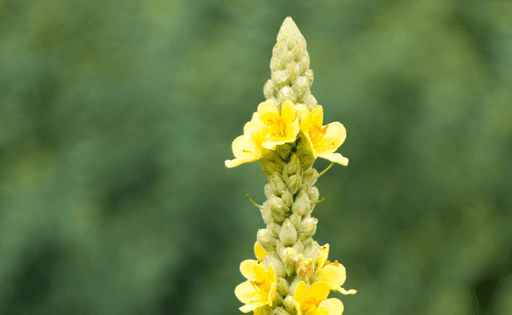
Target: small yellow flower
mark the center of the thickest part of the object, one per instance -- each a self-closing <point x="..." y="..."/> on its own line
<point x="334" y="274"/>
<point x="324" y="140"/>
<point x="247" y="147"/>
<point x="260" y="288"/>
<point x="280" y="127"/>
<point x="312" y="301"/>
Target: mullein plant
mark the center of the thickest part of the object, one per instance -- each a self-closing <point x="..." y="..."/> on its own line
<point x="291" y="273"/>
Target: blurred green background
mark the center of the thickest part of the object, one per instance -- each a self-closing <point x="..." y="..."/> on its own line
<point x="116" y="118"/>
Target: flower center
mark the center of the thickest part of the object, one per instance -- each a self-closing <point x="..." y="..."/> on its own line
<point x="317" y="133"/>
<point x="278" y="127"/>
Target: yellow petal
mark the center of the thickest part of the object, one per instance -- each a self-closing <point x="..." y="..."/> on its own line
<point x="251" y="307"/>
<point x="300" y="293"/>
<point x="288" y="112"/>
<point x="260" y="273"/>
<point x="265" y="310"/>
<point x="245" y="150"/>
<point x="318" y="291"/>
<point x="247" y="270"/>
<point x="334" y="276"/>
<point x="330" y="307"/>
<point x="271" y="274"/>
<point x="333" y="138"/>
<point x="323" y="257"/>
<point x="298" y="307"/>
<point x="317" y="116"/>
<point x="259" y="251"/>
<point x="267" y="112"/>
<point x="334" y="157"/>
<point x="345" y="292"/>
<point x="246" y="293"/>
<point x="272" y="293"/>
<point x="305" y="118"/>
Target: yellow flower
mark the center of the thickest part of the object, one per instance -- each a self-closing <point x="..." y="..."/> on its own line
<point x="247" y="147"/>
<point x="260" y="288"/>
<point x="324" y="140"/>
<point x="312" y="301"/>
<point x="334" y="274"/>
<point x="280" y="127"/>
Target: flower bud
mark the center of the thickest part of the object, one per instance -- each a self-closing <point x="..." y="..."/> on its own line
<point x="280" y="79"/>
<point x="311" y="101"/>
<point x="266" y="213"/>
<point x="299" y="248"/>
<point x="287" y="198"/>
<point x="310" y="177"/>
<point x="274" y="228"/>
<point x="313" y="251"/>
<point x="307" y="228"/>
<point x="293" y="167"/>
<point x="313" y="193"/>
<point x="287" y="94"/>
<point x="288" y="254"/>
<point x="301" y="205"/>
<point x="269" y="89"/>
<point x="288" y="234"/>
<point x="309" y="75"/>
<point x="295" y="220"/>
<point x="282" y="286"/>
<point x="294" y="183"/>
<point x="278" y="184"/>
<point x="289" y="305"/>
<point x="300" y="86"/>
<point x="266" y="239"/>
<point x="279" y="208"/>
<point x="269" y="190"/>
<point x="280" y="311"/>
<point x="283" y="151"/>
<point x="277" y="265"/>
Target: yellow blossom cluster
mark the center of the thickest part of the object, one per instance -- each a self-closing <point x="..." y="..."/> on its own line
<point x="310" y="298"/>
<point x="270" y="127"/>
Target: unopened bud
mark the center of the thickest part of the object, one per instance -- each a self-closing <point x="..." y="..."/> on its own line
<point x="282" y="286"/>
<point x="266" y="213"/>
<point x="287" y="198"/>
<point x="279" y="208"/>
<point x="288" y="254"/>
<point x="269" y="190"/>
<point x="266" y="239"/>
<point x="295" y="220"/>
<point x="301" y="205"/>
<point x="299" y="248"/>
<point x="274" y="228"/>
<point x="278" y="184"/>
<point x="307" y="228"/>
<point x="277" y="265"/>
<point x="310" y="177"/>
<point x="294" y="183"/>
<point x="293" y="166"/>
<point x="289" y="305"/>
<point x="313" y="193"/>
<point x="288" y="234"/>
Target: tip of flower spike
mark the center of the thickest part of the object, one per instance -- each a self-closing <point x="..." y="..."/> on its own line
<point x="288" y="29"/>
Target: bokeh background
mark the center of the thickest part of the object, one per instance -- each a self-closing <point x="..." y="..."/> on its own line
<point x="116" y="118"/>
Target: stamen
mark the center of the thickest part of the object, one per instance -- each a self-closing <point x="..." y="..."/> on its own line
<point x="254" y="203"/>
<point x="323" y="172"/>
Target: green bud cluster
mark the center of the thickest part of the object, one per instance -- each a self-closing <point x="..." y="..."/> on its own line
<point x="291" y="196"/>
<point x="291" y="77"/>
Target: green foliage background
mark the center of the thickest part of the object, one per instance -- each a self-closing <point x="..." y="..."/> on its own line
<point x="116" y="118"/>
